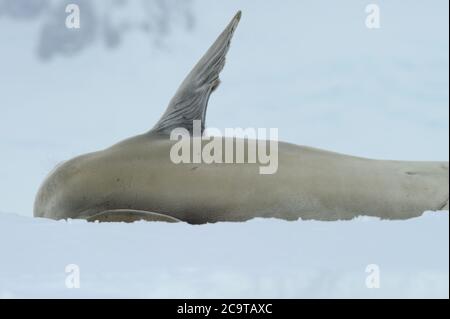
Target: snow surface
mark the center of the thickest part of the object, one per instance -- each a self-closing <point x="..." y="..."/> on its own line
<point x="260" y="258"/>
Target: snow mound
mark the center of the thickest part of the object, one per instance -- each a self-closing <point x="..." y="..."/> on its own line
<point x="256" y="259"/>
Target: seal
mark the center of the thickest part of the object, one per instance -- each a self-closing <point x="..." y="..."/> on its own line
<point x="137" y="180"/>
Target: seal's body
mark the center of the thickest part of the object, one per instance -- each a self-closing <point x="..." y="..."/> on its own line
<point x="136" y="179"/>
<point x="138" y="175"/>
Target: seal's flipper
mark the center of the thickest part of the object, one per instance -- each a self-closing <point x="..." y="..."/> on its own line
<point x="445" y="206"/>
<point x="191" y="100"/>
<point x="130" y="216"/>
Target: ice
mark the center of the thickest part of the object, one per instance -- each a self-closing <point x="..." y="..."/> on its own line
<point x="263" y="258"/>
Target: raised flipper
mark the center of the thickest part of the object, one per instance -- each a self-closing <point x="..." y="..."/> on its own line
<point x="191" y="100"/>
<point x="130" y="216"/>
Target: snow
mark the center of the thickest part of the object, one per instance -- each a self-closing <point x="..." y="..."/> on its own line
<point x="259" y="258"/>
